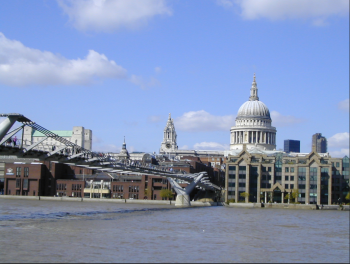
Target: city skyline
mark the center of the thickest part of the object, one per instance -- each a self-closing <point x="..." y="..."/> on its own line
<point x="121" y="70"/>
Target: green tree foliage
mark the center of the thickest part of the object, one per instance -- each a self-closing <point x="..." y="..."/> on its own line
<point x="287" y="196"/>
<point x="165" y="193"/>
<point x="347" y="197"/>
<point x="295" y="195"/>
<point x="244" y="194"/>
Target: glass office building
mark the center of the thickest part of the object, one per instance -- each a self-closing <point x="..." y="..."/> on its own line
<point x="291" y="145"/>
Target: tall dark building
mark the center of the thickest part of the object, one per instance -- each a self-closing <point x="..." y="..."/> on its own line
<point x="319" y="142"/>
<point x="291" y="145"/>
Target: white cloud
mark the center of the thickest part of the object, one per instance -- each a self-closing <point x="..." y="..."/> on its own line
<point x="184" y="147"/>
<point x="110" y="15"/>
<point x="339" y="140"/>
<point x="338" y="145"/>
<point x="339" y="153"/>
<point x="210" y="146"/>
<point x="279" y="120"/>
<point x="199" y="121"/>
<point x="344" y="105"/>
<point x="21" y="66"/>
<point x="317" y="10"/>
<point x="158" y="69"/>
<point x="140" y="81"/>
<point x="106" y="148"/>
<point x="154" y="119"/>
<point x="225" y="3"/>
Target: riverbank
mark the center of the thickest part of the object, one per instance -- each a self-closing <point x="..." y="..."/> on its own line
<point x="105" y="200"/>
<point x="290" y="206"/>
<point x="193" y="203"/>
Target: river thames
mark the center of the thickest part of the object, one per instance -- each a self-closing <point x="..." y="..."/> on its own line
<point x="55" y="231"/>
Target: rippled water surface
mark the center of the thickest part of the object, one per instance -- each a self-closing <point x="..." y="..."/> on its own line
<point x="49" y="231"/>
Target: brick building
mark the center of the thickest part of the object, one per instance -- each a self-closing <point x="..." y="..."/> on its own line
<point x="39" y="178"/>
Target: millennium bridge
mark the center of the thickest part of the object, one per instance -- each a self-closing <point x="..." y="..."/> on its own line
<point x="73" y="154"/>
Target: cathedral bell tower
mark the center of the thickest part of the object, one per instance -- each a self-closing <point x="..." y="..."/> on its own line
<point x="169" y="138"/>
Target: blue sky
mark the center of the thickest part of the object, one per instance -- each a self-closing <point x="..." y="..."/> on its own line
<point x="120" y="67"/>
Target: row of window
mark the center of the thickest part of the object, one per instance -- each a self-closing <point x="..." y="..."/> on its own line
<point x="76" y="187"/>
<point x="118" y="188"/>
<point x="61" y="186"/>
<point x="135" y="189"/>
<point x="19" y="171"/>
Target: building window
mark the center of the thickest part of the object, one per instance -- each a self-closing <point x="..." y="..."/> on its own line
<point x="292" y="169"/>
<point x="242" y="172"/>
<point x="26" y="172"/>
<point x="18" y="183"/>
<point x="292" y="178"/>
<point x="241" y="184"/>
<point x="286" y="178"/>
<point x="25" y="184"/>
<point x="292" y="186"/>
<point x="232" y="176"/>
<point x="286" y="169"/>
<point x="302" y="174"/>
<point x="337" y="164"/>
<point x="286" y="186"/>
<point x="18" y="172"/>
<point x="269" y="169"/>
<point x="231" y="184"/>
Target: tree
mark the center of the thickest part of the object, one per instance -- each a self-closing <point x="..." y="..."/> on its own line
<point x="347" y="197"/>
<point x="148" y="192"/>
<point x="167" y="194"/>
<point x="295" y="195"/>
<point x="244" y="195"/>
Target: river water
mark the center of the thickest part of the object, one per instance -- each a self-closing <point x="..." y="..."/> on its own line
<point x="55" y="231"/>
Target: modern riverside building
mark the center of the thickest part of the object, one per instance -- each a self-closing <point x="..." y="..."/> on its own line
<point x="291" y="146"/>
<point x="319" y="142"/>
<point x="268" y="176"/>
<point x="79" y="135"/>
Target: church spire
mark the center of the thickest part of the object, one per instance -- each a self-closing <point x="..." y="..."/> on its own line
<point x="124" y="144"/>
<point x="254" y="91"/>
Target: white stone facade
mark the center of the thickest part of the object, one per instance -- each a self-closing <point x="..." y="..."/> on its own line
<point x="253" y="125"/>
<point x="169" y="143"/>
<point x="79" y="135"/>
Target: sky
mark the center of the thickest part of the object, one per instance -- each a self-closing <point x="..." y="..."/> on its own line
<point x="119" y="67"/>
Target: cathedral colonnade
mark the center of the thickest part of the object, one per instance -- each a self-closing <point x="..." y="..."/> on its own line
<point x="261" y="137"/>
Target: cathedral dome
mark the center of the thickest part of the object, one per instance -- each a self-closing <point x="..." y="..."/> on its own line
<point x="253" y="109"/>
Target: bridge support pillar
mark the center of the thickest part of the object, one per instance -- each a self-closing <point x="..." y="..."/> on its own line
<point x="182" y="200"/>
<point x="6" y="125"/>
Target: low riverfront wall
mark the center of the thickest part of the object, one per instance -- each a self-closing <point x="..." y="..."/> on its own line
<point x="290" y="206"/>
<point x="193" y="203"/>
<point x="106" y="200"/>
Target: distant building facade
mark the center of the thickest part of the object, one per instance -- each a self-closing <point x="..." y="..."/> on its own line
<point x="291" y="145"/>
<point x="319" y="142"/>
<point x="79" y="135"/>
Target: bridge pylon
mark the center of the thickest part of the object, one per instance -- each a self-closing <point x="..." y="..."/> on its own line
<point x="183" y="194"/>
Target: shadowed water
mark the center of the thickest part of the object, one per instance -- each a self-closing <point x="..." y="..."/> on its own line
<point x="49" y="231"/>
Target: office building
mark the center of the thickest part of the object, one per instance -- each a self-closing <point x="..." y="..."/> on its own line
<point x="319" y="142"/>
<point x="291" y="145"/>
